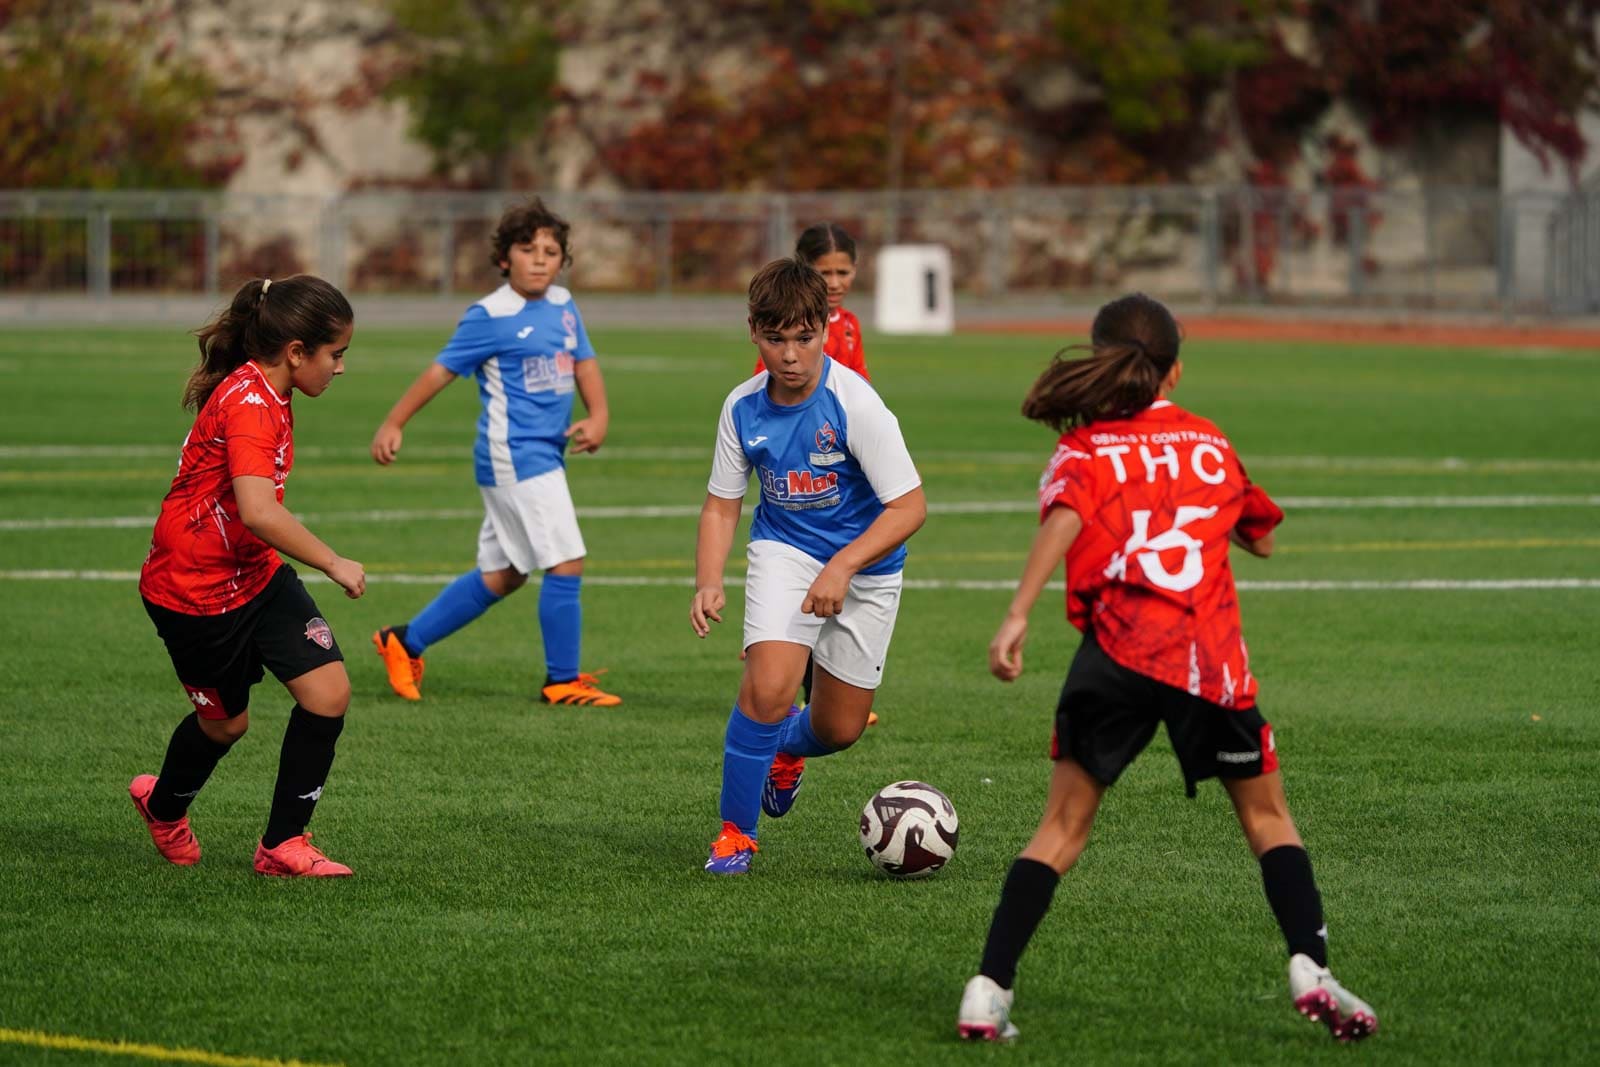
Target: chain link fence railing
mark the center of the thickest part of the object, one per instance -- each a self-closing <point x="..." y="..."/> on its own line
<point x="1467" y="249"/>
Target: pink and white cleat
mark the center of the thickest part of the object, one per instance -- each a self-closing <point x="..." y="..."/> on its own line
<point x="985" y="1011"/>
<point x="1319" y="997"/>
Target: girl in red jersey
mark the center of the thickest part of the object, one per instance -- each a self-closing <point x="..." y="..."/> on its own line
<point x="222" y="600"/>
<point x="1143" y="498"/>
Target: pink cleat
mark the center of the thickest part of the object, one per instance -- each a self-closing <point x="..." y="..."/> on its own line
<point x="297" y="857"/>
<point x="174" y="840"/>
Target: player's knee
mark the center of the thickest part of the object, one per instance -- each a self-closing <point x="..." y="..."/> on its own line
<point x="837" y="735"/>
<point x="505" y="582"/>
<point x="767" y="707"/>
<point x="226" y="731"/>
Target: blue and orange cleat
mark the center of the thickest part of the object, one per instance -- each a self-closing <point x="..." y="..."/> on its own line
<point x="782" y="784"/>
<point x="731" y="851"/>
<point x="297" y="857"/>
<point x="174" y="840"/>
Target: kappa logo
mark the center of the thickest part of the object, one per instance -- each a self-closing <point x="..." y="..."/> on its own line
<point x="319" y="631"/>
<point x="522" y="334"/>
<point x="206" y="700"/>
<point x="253" y="398"/>
<point x="313" y="796"/>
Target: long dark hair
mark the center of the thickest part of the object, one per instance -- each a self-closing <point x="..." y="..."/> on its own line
<point x="1132" y="345"/>
<point x="817" y="241"/>
<point x="265" y="316"/>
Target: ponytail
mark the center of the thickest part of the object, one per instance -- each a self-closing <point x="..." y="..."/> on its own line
<point x="258" y="326"/>
<point x="1134" y="343"/>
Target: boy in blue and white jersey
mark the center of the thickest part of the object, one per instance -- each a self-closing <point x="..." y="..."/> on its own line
<point x="526" y="345"/>
<point x="839" y="497"/>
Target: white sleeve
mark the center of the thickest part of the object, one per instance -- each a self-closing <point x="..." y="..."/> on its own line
<point x="730" y="468"/>
<point x="873" y="437"/>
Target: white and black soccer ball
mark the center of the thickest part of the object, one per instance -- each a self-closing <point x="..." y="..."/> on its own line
<point x="909" y="829"/>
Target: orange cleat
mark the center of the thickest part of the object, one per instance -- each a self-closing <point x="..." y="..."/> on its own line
<point x="297" y="857"/>
<point x="174" y="840"/>
<point x="584" y="690"/>
<point x="872" y="718"/>
<point x="404" y="669"/>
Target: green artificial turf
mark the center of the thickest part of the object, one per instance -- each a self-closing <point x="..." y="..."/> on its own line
<point x="528" y="883"/>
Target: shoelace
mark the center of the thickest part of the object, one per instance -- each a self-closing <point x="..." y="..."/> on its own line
<point x="785" y="773"/>
<point x="729" y="842"/>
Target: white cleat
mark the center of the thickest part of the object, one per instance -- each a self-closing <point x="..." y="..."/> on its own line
<point x="985" y="1011"/>
<point x="1319" y="997"/>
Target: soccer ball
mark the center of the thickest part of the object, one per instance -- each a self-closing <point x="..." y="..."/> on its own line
<point x="909" y="829"/>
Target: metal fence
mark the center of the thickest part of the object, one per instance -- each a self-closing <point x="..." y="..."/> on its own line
<point x="1440" y="248"/>
<point x="1573" y="248"/>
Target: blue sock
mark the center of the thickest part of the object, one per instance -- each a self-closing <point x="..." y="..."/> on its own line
<point x="458" y="604"/>
<point x="798" y="739"/>
<point x="561" y="624"/>
<point x="747" y="751"/>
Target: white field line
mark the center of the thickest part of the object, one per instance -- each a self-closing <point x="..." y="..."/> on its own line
<point x="1401" y="464"/>
<point x="637" y="581"/>
<point x="946" y="507"/>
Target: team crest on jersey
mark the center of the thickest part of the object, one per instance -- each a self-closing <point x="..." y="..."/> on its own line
<point x="569" y="323"/>
<point x="319" y="631"/>
<point x="827" y="440"/>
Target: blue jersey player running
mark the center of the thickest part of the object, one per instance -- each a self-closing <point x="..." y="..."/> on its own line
<point x="526" y="346"/>
<point x="839" y="498"/>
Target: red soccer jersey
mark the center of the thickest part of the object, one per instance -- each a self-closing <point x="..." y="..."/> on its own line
<point x="203" y="560"/>
<point x="1158" y="493"/>
<point x="843" y="344"/>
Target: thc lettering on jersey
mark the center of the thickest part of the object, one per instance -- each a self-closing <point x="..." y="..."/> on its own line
<point x="1205" y="460"/>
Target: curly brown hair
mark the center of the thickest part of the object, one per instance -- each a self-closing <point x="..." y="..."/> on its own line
<point x="519" y="224"/>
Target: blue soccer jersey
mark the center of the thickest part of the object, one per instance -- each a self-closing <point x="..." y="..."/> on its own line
<point x="826" y="466"/>
<point x="523" y="353"/>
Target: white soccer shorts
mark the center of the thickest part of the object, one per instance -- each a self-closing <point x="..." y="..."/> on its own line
<point x="852" y="645"/>
<point x="531" y="525"/>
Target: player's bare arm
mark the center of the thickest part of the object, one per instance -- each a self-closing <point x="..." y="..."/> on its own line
<point x="902" y="517"/>
<point x="269" y="520"/>
<point x="386" y="442"/>
<point x="1056" y="534"/>
<point x="589" y="433"/>
<point x="719" y="518"/>
<point x="1260" y="546"/>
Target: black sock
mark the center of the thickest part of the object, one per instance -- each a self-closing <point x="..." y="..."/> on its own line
<point x="302" y="770"/>
<point x="1292" y="892"/>
<point x="191" y="757"/>
<point x="1023" y="901"/>
<point x="805" y="683"/>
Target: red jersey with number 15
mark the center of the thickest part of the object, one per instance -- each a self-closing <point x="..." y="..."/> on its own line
<point x="203" y="560"/>
<point x="1158" y="492"/>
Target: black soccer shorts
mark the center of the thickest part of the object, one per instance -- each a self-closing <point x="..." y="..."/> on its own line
<point x="1108" y="713"/>
<point x="219" y="657"/>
